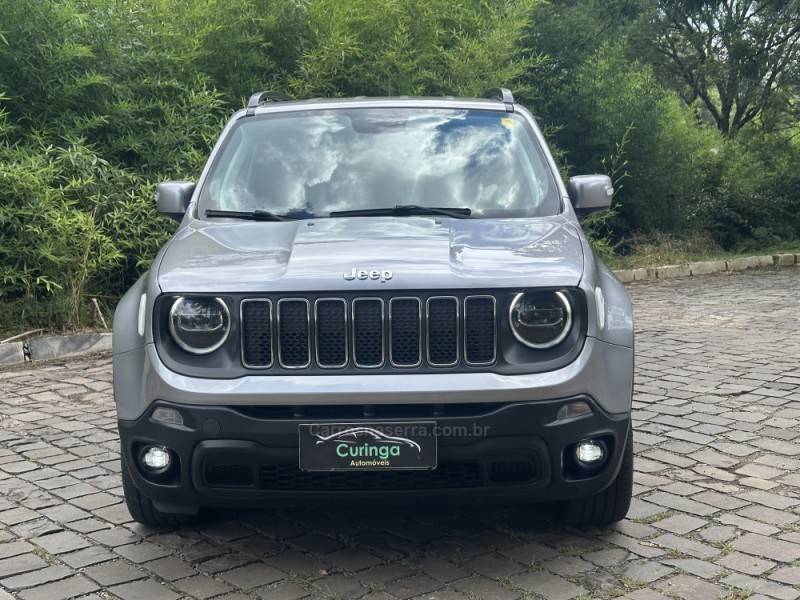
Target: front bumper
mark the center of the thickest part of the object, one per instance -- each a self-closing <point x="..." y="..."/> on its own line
<point x="243" y="456"/>
<point x="602" y="370"/>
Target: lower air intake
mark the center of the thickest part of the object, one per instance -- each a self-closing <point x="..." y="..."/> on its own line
<point x="287" y="476"/>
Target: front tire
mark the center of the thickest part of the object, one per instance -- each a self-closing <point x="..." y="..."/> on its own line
<point x="610" y="505"/>
<point x="143" y="509"/>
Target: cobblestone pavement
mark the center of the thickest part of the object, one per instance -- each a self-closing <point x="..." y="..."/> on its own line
<point x="716" y="513"/>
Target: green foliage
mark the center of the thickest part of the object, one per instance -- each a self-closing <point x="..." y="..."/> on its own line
<point x="733" y="60"/>
<point x="101" y="99"/>
<point x="754" y="199"/>
<point x="69" y="224"/>
<point x="666" y="152"/>
<point x="413" y="47"/>
<point x="683" y="175"/>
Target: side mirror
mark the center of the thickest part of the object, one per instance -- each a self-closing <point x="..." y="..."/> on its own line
<point x="590" y="193"/>
<point x="172" y="198"/>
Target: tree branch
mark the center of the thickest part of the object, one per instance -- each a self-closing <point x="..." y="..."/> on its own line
<point x="732" y="54"/>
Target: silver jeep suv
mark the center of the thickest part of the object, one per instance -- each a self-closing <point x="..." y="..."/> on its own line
<point x="377" y="296"/>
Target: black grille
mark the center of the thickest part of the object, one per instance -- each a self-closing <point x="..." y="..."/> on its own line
<point x="368" y="411"/>
<point x="368" y="332"/>
<point x="228" y="475"/>
<point x="387" y="333"/>
<point x="287" y="476"/>
<point x="443" y="331"/>
<point x="404" y="319"/>
<point x="331" y="327"/>
<point x="257" y="328"/>
<point x="293" y="332"/>
<point x="517" y="471"/>
<point x="479" y="343"/>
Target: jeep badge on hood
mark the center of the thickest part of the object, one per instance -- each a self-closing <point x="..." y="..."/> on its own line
<point x="363" y="274"/>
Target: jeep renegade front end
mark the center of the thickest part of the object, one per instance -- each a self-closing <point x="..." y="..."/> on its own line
<point x="385" y="296"/>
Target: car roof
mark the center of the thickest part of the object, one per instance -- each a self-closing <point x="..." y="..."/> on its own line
<point x="381" y="102"/>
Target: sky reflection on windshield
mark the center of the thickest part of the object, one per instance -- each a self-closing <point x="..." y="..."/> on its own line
<point x="316" y="162"/>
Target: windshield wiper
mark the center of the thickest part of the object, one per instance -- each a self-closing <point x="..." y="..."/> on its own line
<point x="404" y="210"/>
<point x="250" y="215"/>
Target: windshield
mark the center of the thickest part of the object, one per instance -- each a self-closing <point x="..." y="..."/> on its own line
<point x="312" y="163"/>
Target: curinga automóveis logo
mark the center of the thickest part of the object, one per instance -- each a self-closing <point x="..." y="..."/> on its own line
<point x="365" y="445"/>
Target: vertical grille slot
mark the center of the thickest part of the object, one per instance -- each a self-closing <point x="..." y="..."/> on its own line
<point x="405" y="321"/>
<point x="443" y="331"/>
<point x="294" y="349"/>
<point x="256" y="316"/>
<point x="368" y="332"/>
<point x="479" y="330"/>
<point x="330" y="315"/>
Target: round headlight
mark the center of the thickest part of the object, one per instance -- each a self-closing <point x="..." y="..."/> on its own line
<point x="540" y="320"/>
<point x="199" y="324"/>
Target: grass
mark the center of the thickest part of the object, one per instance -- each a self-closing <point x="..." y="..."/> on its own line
<point x="650" y="519"/>
<point x="737" y="595"/>
<point x="628" y="585"/>
<point x="662" y="249"/>
<point x="52" y="316"/>
<point x="726" y="548"/>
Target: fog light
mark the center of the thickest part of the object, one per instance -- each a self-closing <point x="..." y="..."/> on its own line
<point x="156" y="458"/>
<point x="589" y="452"/>
<point x="170" y="416"/>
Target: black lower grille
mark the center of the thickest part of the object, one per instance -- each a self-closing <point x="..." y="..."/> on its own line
<point x="342" y="412"/>
<point x="517" y="471"/>
<point x="287" y="476"/>
<point x="228" y="475"/>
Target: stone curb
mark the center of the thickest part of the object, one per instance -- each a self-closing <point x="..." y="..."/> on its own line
<point x="12" y="353"/>
<point x="707" y="267"/>
<point x="53" y="346"/>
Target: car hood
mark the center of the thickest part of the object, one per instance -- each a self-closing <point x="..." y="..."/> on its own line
<point x="420" y="252"/>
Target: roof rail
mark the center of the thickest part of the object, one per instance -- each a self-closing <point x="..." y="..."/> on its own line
<point x="260" y="98"/>
<point x="503" y="95"/>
